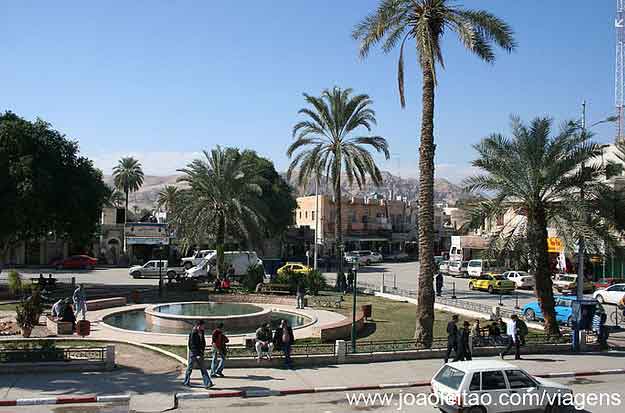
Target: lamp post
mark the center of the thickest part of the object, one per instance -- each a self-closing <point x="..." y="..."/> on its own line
<point x="354" y="288"/>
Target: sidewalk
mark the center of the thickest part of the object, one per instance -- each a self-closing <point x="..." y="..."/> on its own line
<point x="154" y="392"/>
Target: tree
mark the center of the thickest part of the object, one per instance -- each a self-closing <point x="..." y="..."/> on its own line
<point x="325" y="143"/>
<point x="539" y="177"/>
<point x="424" y="22"/>
<point x="167" y="198"/>
<point x="224" y="198"/>
<point x="115" y="198"/>
<point x="46" y="186"/>
<point x="128" y="177"/>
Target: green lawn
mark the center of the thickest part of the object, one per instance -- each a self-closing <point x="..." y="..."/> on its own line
<point x="22" y="344"/>
<point x="177" y="350"/>
<point x="8" y="307"/>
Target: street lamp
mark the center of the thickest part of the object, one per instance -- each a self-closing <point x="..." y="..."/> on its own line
<point x="354" y="288"/>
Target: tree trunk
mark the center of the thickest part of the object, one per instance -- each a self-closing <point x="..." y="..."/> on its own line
<point x="220" y="238"/>
<point x="537" y="237"/>
<point x="425" y="278"/>
<point x="125" y="221"/>
<point x="338" y="222"/>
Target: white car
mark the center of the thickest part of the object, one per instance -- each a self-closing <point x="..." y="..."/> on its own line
<point x="196" y="258"/>
<point x="521" y="279"/>
<point x="444" y="267"/>
<point x="493" y="386"/>
<point x="364" y="257"/>
<point x="611" y="295"/>
<point x="458" y="268"/>
<point x="155" y="268"/>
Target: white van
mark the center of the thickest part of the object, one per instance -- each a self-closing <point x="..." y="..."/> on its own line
<point x="241" y="261"/>
<point x="475" y="268"/>
<point x="196" y="258"/>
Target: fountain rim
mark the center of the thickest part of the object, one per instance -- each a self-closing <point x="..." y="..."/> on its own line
<point x="151" y="310"/>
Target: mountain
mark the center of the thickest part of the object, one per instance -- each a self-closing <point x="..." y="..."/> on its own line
<point x="392" y="186"/>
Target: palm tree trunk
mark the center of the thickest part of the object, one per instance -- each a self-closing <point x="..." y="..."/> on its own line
<point x="425" y="278"/>
<point x="220" y="238"/>
<point x="338" y="225"/>
<point x="537" y="237"/>
<point x="125" y="220"/>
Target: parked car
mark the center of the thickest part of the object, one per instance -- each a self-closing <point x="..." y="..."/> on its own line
<point x="196" y="258"/>
<point x="493" y="283"/>
<point x="521" y="279"/>
<point x="364" y="257"/>
<point x="457" y="384"/>
<point x="458" y="268"/>
<point x="611" y="295"/>
<point x="398" y="257"/>
<point x="444" y="267"/>
<point x="83" y="262"/>
<point x="475" y="268"/>
<point x="563" y="307"/>
<point x="241" y="261"/>
<point x="154" y="268"/>
<point x="567" y="284"/>
<point x="603" y="283"/>
<point x="294" y="267"/>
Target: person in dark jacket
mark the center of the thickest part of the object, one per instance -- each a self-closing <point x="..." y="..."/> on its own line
<point x="220" y="341"/>
<point x="197" y="345"/>
<point x="439" y="284"/>
<point x="283" y="340"/>
<point x="452" y="338"/>
<point x="69" y="316"/>
<point x="464" y="349"/>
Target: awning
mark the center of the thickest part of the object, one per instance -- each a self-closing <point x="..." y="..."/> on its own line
<point x="147" y="241"/>
<point x="356" y="239"/>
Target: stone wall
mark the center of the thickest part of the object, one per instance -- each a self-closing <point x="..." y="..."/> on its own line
<point x="252" y="299"/>
<point x="342" y="329"/>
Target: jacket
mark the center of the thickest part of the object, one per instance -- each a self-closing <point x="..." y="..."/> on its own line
<point x="219" y="339"/>
<point x="452" y="333"/>
<point x="277" y="337"/>
<point x="197" y="343"/>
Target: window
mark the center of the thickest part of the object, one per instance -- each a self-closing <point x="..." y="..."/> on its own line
<point x="150" y="265"/>
<point x="313" y="215"/>
<point x="300" y="214"/>
<point x="306" y="214"/>
<point x="450" y="377"/>
<point x="475" y="382"/>
<point x="493" y="380"/>
<point x="453" y="250"/>
<point x="519" y="380"/>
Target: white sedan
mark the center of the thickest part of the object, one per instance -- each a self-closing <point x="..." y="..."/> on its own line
<point x="492" y="386"/>
<point x="521" y="279"/>
<point x="611" y="295"/>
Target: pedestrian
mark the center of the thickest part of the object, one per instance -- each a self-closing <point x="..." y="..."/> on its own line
<point x="598" y="326"/>
<point x="197" y="346"/>
<point x="80" y="301"/>
<point x="439" y="284"/>
<point x="350" y="279"/>
<point x="68" y="315"/>
<point x="283" y="339"/>
<point x="301" y="292"/>
<point x="263" y="341"/>
<point x="464" y="349"/>
<point x="217" y="284"/>
<point x="522" y="330"/>
<point x="220" y="341"/>
<point x="514" y="339"/>
<point x="476" y="334"/>
<point x="58" y="308"/>
<point x="230" y="273"/>
<point x="452" y="338"/>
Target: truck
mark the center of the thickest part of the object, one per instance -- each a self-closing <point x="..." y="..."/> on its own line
<point x="467" y="247"/>
<point x="196" y="258"/>
<point x="240" y="261"/>
<point x="154" y="269"/>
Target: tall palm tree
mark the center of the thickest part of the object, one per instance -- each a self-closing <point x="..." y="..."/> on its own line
<point x="539" y="177"/>
<point x="167" y="198"/>
<point x="327" y="143"/>
<point x="224" y="197"/>
<point x="424" y="22"/>
<point x="127" y="177"/>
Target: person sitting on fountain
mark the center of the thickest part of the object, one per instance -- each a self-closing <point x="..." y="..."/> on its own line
<point x="217" y="284"/>
<point x="68" y="315"/>
<point x="263" y="342"/>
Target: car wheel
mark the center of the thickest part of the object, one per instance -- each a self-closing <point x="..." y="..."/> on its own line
<point x="368" y="262"/>
<point x="136" y="274"/>
<point x="491" y="290"/>
<point x="471" y="287"/>
<point x="187" y="265"/>
<point x="530" y="315"/>
<point x="600" y="299"/>
<point x="171" y="275"/>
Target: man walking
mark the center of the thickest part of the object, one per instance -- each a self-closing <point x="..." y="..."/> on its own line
<point x="197" y="344"/>
<point x="439" y="284"/>
<point x="300" y="295"/>
<point x="515" y="339"/>
<point x="80" y="301"/>
<point x="263" y="341"/>
<point x="464" y="347"/>
<point x="219" y="340"/>
<point x="452" y="338"/>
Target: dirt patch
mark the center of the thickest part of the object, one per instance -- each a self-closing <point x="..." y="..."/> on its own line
<point x="127" y="356"/>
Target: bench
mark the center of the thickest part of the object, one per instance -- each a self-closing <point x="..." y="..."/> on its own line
<point x="328" y="302"/>
<point x="94" y="305"/>
<point x="273" y="288"/>
<point x="59" y="328"/>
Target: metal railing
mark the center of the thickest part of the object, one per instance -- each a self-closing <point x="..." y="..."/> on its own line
<point x="306" y="350"/>
<point x="53" y="354"/>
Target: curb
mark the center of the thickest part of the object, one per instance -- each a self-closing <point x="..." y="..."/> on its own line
<point x="66" y="400"/>
<point x="289" y="392"/>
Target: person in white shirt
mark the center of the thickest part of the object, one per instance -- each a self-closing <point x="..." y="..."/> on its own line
<point x="515" y="341"/>
<point x="57" y="307"/>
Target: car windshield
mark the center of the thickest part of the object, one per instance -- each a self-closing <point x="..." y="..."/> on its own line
<point x="450" y="377"/>
<point x="522" y="273"/>
<point x="498" y="277"/>
<point x="475" y="264"/>
<point x="567" y="278"/>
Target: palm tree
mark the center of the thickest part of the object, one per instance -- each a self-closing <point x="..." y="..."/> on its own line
<point x="327" y="143"/>
<point x="425" y="22"/>
<point x="167" y="198"/>
<point x="127" y="177"/>
<point x="116" y="198"/>
<point x="223" y="198"/>
<point x="539" y="177"/>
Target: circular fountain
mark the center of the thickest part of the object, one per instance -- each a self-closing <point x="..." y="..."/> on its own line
<point x="180" y="316"/>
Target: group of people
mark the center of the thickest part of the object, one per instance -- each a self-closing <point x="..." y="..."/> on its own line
<point x="66" y="309"/>
<point x="197" y="347"/>
<point x="460" y="339"/>
<point x="223" y="283"/>
<point x="282" y="339"/>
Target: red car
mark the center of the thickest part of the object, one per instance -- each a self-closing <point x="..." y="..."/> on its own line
<point x="75" y="262"/>
<point x="604" y="283"/>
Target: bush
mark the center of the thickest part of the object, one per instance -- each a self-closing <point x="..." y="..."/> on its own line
<point x="313" y="281"/>
<point x="254" y="276"/>
<point x="29" y="310"/>
<point x="16" y="285"/>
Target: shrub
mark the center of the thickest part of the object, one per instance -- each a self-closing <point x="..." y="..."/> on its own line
<point x="16" y="285"/>
<point x="313" y="281"/>
<point x="29" y="310"/>
<point x="255" y="274"/>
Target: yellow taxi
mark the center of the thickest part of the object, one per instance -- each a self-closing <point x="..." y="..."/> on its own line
<point x="493" y="283"/>
<point x="295" y="267"/>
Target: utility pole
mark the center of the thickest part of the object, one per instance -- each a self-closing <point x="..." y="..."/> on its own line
<point x="581" y="245"/>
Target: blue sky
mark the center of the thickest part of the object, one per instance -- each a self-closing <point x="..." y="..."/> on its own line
<point x="162" y="80"/>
